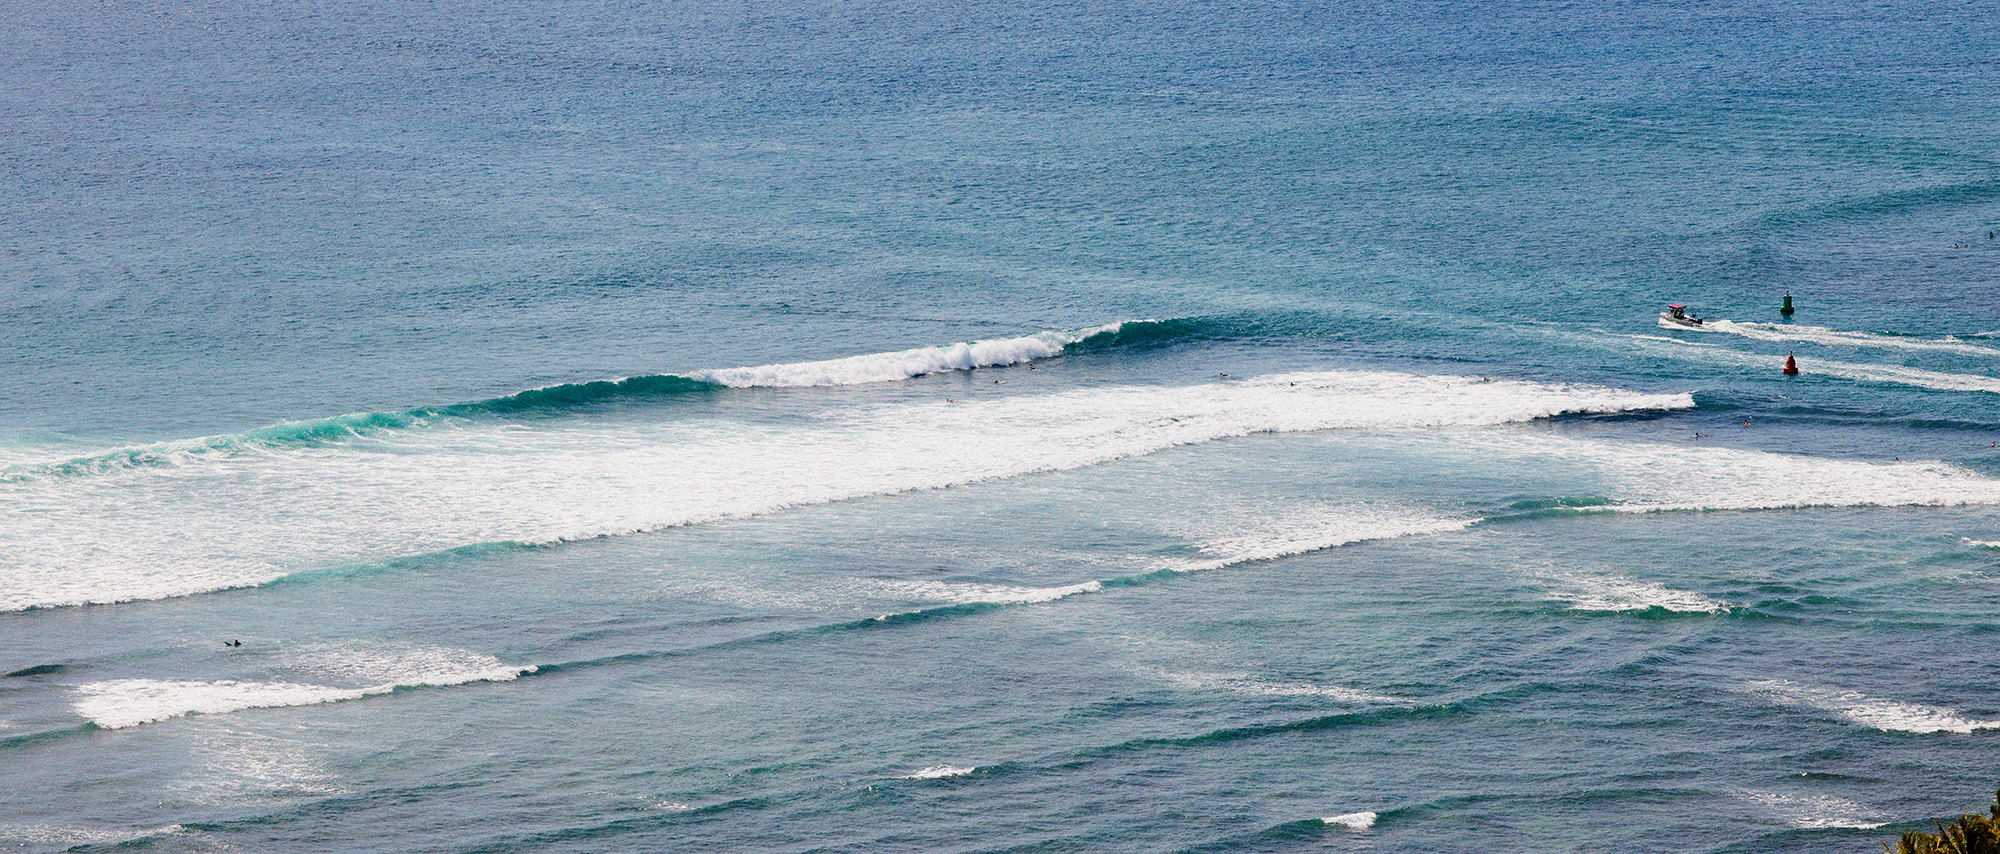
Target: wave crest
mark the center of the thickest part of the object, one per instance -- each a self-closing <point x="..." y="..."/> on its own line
<point x="120" y="703"/>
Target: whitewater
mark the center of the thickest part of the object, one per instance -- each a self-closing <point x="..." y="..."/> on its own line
<point x="972" y="427"/>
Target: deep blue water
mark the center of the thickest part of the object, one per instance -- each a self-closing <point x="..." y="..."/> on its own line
<point x="996" y="427"/>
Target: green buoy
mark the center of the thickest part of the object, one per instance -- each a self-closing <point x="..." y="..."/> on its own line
<point x="1786" y="309"/>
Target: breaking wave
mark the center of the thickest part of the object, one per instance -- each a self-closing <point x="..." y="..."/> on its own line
<point x="1880" y="713"/>
<point x="1586" y="592"/>
<point x="1351" y="821"/>
<point x="853" y="370"/>
<point x="123" y="535"/>
<point x="120" y="703"/>
<point x="936" y="772"/>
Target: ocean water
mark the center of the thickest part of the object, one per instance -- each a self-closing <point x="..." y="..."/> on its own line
<point x="996" y="427"/>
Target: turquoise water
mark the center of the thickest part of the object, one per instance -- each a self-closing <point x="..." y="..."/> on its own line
<point x="983" y="427"/>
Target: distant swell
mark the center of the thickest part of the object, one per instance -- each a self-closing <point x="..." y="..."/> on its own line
<point x="1863" y="208"/>
<point x="580" y="394"/>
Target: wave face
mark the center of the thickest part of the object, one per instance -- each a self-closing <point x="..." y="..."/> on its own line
<point x="891" y="367"/>
<point x="200" y="521"/>
<point x="983" y="426"/>
<point x="853" y="370"/>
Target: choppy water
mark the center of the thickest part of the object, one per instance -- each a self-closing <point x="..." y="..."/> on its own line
<point x="996" y="427"/>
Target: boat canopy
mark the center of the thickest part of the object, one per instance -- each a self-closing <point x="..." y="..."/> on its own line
<point x="1677" y="306"/>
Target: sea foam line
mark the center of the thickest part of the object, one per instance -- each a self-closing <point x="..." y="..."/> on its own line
<point x="1244" y="683"/>
<point x="1303" y="532"/>
<point x="1883" y="714"/>
<point x="1814" y="812"/>
<point x="971" y="593"/>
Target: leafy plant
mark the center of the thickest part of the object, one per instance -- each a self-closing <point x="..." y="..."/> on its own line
<point x="1968" y="834"/>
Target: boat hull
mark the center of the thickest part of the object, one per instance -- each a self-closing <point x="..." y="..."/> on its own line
<point x="1668" y="317"/>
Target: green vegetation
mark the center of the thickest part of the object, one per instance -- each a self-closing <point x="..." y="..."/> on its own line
<point x="1969" y="834"/>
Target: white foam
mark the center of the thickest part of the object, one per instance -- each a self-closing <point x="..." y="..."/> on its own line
<point x="969" y="593"/>
<point x="938" y="771"/>
<point x="71" y="836"/>
<point x="1351" y="821"/>
<point x="119" y="703"/>
<point x="233" y="763"/>
<point x="210" y="521"/>
<point x="1610" y="592"/>
<point x="1301" y="529"/>
<point x="1983" y="544"/>
<point x="1877" y="712"/>
<point x="1841" y="338"/>
<point x="392" y="664"/>
<point x="1644" y="477"/>
<point x="1814" y="812"/>
<point x="1243" y="683"/>
<point x="1858" y="371"/>
<point x="1672" y="340"/>
<point x="902" y="365"/>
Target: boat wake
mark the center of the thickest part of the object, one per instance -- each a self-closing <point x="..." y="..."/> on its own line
<point x="1842" y="338"/>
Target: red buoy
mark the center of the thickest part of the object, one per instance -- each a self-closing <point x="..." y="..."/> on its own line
<point x="1791" y="366"/>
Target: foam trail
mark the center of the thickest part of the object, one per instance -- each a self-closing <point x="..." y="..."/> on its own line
<point x="206" y="521"/>
<point x="1858" y="371"/>
<point x="1814" y="812"/>
<point x="1882" y="714"/>
<point x="1243" y="683"/>
<point x="1840" y="338"/>
<point x="905" y="364"/>
<point x="120" y="703"/>
<point x="968" y="594"/>
<point x="71" y="837"/>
